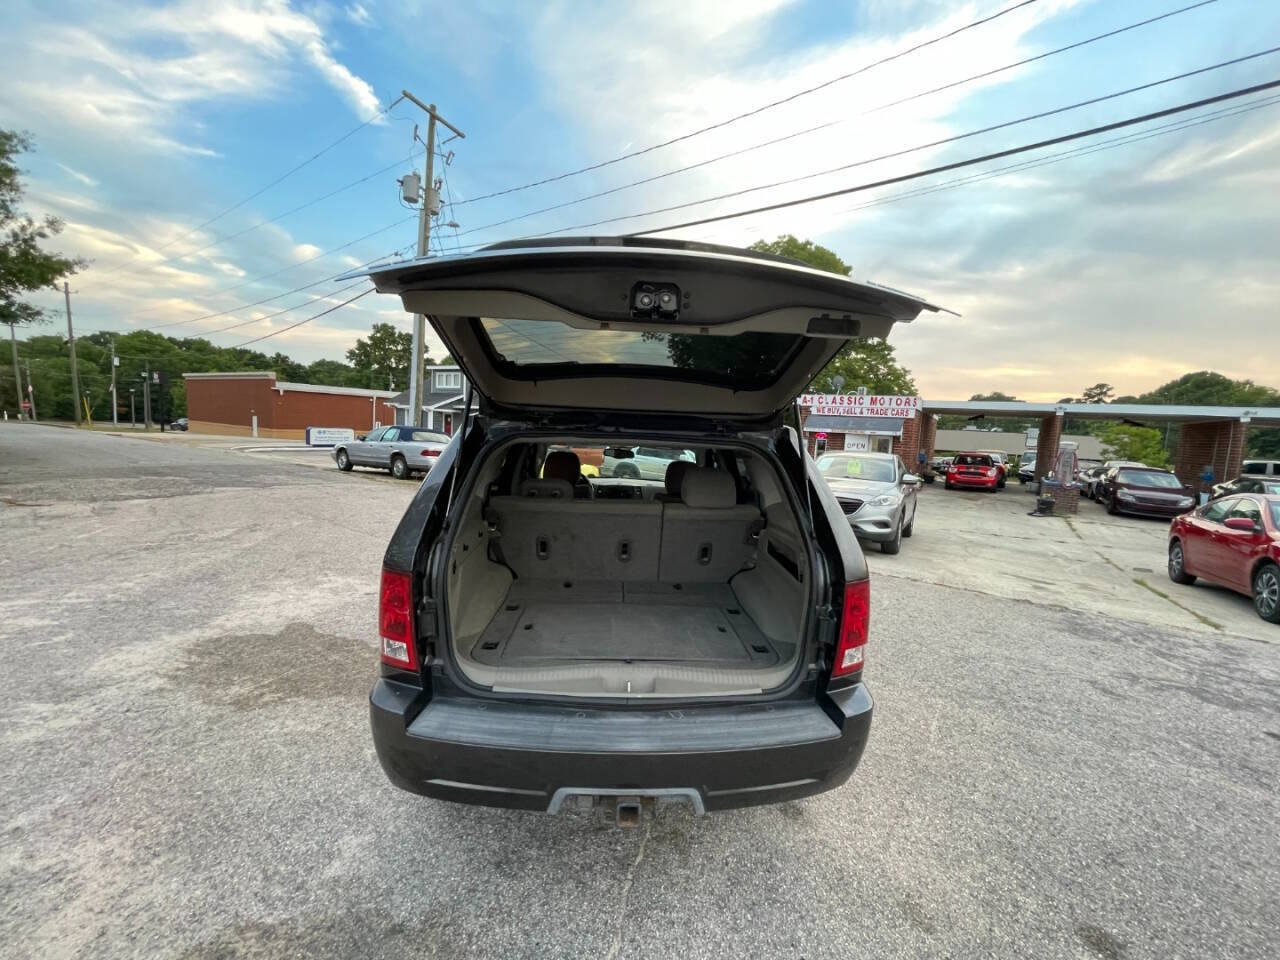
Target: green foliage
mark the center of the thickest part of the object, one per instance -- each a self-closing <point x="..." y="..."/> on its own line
<point x="384" y="356"/>
<point x="24" y="266"/>
<point x="1208" y="388"/>
<point x="1141" y="444"/>
<point x="863" y="362"/>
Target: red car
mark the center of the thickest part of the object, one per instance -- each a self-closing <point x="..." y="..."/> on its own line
<point x="973" y="470"/>
<point x="1234" y="541"/>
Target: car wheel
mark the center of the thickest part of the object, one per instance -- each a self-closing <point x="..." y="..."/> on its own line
<point x="1177" y="565"/>
<point x="628" y="471"/>
<point x="344" y="462"/>
<point x="1112" y="508"/>
<point x="910" y="528"/>
<point x="893" y="546"/>
<point x="399" y="469"/>
<point x="1266" y="592"/>
<point x="947" y="484"/>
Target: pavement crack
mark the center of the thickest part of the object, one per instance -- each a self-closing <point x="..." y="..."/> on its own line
<point x="1160" y="593"/>
<point x="620" y="928"/>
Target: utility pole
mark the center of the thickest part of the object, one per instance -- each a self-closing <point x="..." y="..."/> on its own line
<point x="133" y="411"/>
<point x="31" y="391"/>
<point x="71" y="341"/>
<point x="115" y="362"/>
<point x="13" y="342"/>
<point x="429" y="195"/>
<point x="146" y="398"/>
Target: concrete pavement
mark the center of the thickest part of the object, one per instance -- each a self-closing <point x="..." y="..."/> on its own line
<point x="188" y="640"/>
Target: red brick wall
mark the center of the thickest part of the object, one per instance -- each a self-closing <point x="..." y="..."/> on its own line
<point x="930" y="435"/>
<point x="1047" y="448"/>
<point x="231" y="401"/>
<point x="1219" y="445"/>
<point x="908" y="445"/>
<point x="234" y="402"/>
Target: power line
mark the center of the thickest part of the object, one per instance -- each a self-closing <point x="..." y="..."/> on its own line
<point x="1163" y="130"/>
<point x="278" y="180"/>
<point x="276" y="219"/>
<point x="841" y="120"/>
<point x="923" y="146"/>
<point x="760" y="109"/>
<point x="316" y="316"/>
<point x="1012" y="151"/>
<point x="274" y="273"/>
<point x="269" y="316"/>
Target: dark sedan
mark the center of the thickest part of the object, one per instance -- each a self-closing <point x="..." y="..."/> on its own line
<point x="1145" y="492"/>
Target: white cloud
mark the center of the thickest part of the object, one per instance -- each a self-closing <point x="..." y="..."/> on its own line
<point x="84" y="178"/>
<point x="358" y="14"/>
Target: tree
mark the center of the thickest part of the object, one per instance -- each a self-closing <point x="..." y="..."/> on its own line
<point x="24" y="266"/>
<point x="1140" y="444"/>
<point x="386" y="353"/>
<point x="1098" y="393"/>
<point x="863" y="362"/>
<point x="1207" y="387"/>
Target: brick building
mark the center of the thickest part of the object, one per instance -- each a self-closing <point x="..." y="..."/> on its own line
<point x="229" y="403"/>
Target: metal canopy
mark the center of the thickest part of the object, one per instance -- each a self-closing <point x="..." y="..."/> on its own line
<point x="1179" y="413"/>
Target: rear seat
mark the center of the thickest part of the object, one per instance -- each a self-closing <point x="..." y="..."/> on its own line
<point x="565" y="539"/>
<point x="708" y="536"/>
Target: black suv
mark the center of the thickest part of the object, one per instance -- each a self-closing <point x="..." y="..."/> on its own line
<point x="552" y="637"/>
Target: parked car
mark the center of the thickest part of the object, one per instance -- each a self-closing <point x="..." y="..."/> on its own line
<point x="1235" y="542"/>
<point x="1001" y="460"/>
<point x="876" y="493"/>
<point x="1027" y="468"/>
<point x="640" y="463"/>
<point x="1264" y="468"/>
<point x="402" y="450"/>
<point x="1246" y="484"/>
<point x="974" y="471"/>
<point x="1097" y="475"/>
<point x="1145" y="492"/>
<point x="546" y="652"/>
<point x="180" y="424"/>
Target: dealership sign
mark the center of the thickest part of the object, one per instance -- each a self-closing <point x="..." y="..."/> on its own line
<point x="855" y="405"/>
<point x="329" y="436"/>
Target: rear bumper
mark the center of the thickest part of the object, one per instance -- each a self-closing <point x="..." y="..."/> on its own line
<point x="523" y="756"/>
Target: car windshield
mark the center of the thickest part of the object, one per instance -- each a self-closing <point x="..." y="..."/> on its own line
<point x="857" y="468"/>
<point x="1149" y="478"/>
<point x="527" y="349"/>
<point x="973" y="460"/>
<point x="427" y="436"/>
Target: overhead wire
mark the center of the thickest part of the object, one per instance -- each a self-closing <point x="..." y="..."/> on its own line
<point x="315" y="316"/>
<point x="278" y="180"/>
<point x="763" y="107"/>
<point x="970" y="161"/>
<point x="838" y="121"/>
<point x="787" y="181"/>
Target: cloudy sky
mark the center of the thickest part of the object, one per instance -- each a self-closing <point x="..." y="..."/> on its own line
<point x="1130" y="261"/>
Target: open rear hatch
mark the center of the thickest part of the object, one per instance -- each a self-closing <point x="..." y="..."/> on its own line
<point x="639" y="324"/>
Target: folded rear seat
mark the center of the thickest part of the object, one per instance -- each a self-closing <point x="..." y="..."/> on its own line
<point x="708" y="536"/>
<point x="548" y="535"/>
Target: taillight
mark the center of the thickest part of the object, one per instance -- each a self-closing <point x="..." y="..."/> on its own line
<point x="395" y="620"/>
<point x="855" y="618"/>
<point x="431" y="453"/>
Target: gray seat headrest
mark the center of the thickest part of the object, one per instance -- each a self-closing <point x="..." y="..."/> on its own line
<point x="674" y="476"/>
<point x="704" y="487"/>
<point x="547" y="489"/>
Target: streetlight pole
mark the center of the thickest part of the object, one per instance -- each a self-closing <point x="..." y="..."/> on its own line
<point x="31" y="390"/>
<point x="424" y="242"/>
<point x="17" y="379"/>
<point x="71" y="342"/>
<point x="133" y="411"/>
<point x="115" y="362"/>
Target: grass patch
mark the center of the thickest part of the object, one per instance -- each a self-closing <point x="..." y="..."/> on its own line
<point x="1160" y="593"/>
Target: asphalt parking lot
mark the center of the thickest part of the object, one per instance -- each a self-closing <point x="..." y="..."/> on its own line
<point x="1064" y="763"/>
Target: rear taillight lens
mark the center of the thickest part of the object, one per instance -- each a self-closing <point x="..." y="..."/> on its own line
<point x="395" y="620"/>
<point x="855" y="619"/>
<point x="431" y="453"/>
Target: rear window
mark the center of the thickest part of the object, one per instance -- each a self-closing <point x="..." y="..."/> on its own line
<point x="1149" y="478"/>
<point x="426" y="436"/>
<point x="973" y="460"/>
<point x="528" y="349"/>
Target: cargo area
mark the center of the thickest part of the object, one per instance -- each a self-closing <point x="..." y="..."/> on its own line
<point x="630" y="587"/>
